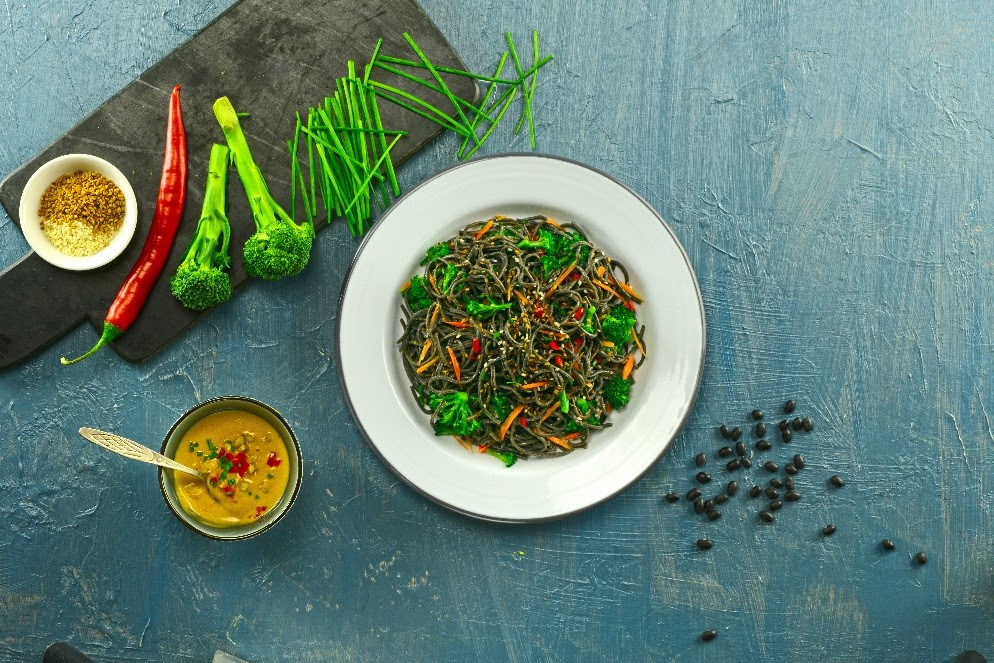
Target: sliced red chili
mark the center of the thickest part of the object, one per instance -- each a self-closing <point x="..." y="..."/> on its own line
<point x="477" y="346"/>
<point x="523" y="422"/>
<point x="558" y="361"/>
<point x="539" y="312"/>
<point x="578" y="313"/>
<point x="553" y="345"/>
<point x="630" y="306"/>
<point x="273" y="460"/>
<point x="575" y="276"/>
<point x="578" y="341"/>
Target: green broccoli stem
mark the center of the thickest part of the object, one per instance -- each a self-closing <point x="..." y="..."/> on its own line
<point x="213" y="227"/>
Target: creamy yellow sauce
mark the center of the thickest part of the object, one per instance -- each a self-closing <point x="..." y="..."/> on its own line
<point x="246" y="465"/>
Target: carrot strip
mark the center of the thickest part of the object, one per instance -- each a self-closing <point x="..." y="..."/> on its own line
<point x="559" y="442"/>
<point x="562" y="277"/>
<point x="571" y="436"/>
<point x="601" y="271"/>
<point x="629" y="365"/>
<point x="506" y="426"/>
<point x="424" y="367"/>
<point x="554" y="224"/>
<point x="458" y="324"/>
<point x="630" y="290"/>
<point x="424" y="350"/>
<point x="521" y="298"/>
<point x="403" y="288"/>
<point x="431" y="279"/>
<point x="534" y="385"/>
<point x="434" y="315"/>
<point x="605" y="286"/>
<point x="455" y="364"/>
<point x="548" y="413"/>
<point x="483" y="231"/>
<point x="607" y="344"/>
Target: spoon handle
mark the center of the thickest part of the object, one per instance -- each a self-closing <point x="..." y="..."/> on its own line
<point x="131" y="449"/>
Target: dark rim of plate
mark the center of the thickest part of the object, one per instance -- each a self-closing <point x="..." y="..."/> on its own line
<point x="185" y="519"/>
<point x="348" y="397"/>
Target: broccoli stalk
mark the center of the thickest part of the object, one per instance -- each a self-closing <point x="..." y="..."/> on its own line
<point x="588" y="320"/>
<point x="279" y="247"/>
<point x="617" y="326"/>
<point x="617" y="391"/>
<point x="417" y="295"/>
<point x="481" y="310"/>
<point x="200" y="280"/>
<point x="452" y="414"/>
<point x="507" y="457"/>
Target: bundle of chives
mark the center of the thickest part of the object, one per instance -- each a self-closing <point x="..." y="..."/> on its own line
<point x="465" y="119"/>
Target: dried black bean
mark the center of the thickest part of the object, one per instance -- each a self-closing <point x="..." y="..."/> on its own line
<point x="732" y="488"/>
<point x="783" y="425"/>
<point x="760" y="429"/>
<point x="887" y="544"/>
<point x="770" y="466"/>
<point x="836" y="481"/>
<point x="740" y="448"/>
<point x="704" y="544"/>
<point x="792" y="496"/>
<point x="763" y="445"/>
<point x="725" y="452"/>
<point x="693" y="494"/>
<point x="790" y="469"/>
<point x="672" y="497"/>
<point x="703" y="477"/>
<point x="807" y="425"/>
<point x="720" y="498"/>
<point x="799" y="461"/>
<point x="708" y="506"/>
<point x="785" y="435"/>
<point x="788" y="483"/>
<point x="714" y="515"/>
<point x="766" y="516"/>
<point x="700" y="459"/>
<point x="772" y="493"/>
<point x="828" y="530"/>
<point x="755" y="492"/>
<point x="796" y="423"/>
<point x="746" y="463"/>
<point x="776" y="483"/>
<point x="699" y="505"/>
<point x="921" y="558"/>
<point x="789" y="406"/>
<point x="736" y="433"/>
<point x="724" y="432"/>
<point x="709" y="635"/>
<point x="775" y="505"/>
<point x="733" y="465"/>
<point x="757" y="414"/>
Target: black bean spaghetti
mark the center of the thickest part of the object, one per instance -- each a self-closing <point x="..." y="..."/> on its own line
<point x="521" y="337"/>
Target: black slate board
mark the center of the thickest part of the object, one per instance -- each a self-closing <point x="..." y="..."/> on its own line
<point x="272" y="58"/>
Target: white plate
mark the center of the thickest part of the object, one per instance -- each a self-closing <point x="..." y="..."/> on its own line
<point x="617" y="221"/>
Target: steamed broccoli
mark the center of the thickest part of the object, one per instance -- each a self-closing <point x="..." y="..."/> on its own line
<point x="617" y="326"/>
<point x="501" y="405"/>
<point x="480" y="310"/>
<point x="200" y="280"/>
<point x="507" y="457"/>
<point x="617" y="391"/>
<point x="280" y="247"/>
<point x="451" y="271"/>
<point x="437" y="251"/>
<point x="417" y="294"/>
<point x="560" y="249"/>
<point x="452" y="414"/>
<point x="588" y="320"/>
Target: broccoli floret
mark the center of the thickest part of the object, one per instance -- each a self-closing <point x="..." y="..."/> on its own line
<point x="452" y="414"/>
<point x="451" y="271"/>
<point x="546" y="241"/>
<point x="200" y="280"/>
<point x="560" y="249"/>
<point x="280" y="247"/>
<point x="579" y="427"/>
<point x="617" y="326"/>
<point x="417" y="295"/>
<point x="507" y="457"/>
<point x="480" y="310"/>
<point x="501" y="405"/>
<point x="437" y="251"/>
<point x="588" y="320"/>
<point x="582" y="405"/>
<point x="617" y="391"/>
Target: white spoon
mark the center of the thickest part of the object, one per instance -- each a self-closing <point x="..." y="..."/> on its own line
<point x="131" y="449"/>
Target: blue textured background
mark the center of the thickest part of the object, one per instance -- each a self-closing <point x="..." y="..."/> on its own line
<point x="824" y="163"/>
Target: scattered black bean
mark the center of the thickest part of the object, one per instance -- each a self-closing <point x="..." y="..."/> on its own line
<point x="763" y="445"/>
<point x="703" y="477"/>
<point x="755" y="492"/>
<point x="714" y="515"/>
<point x="788" y="483"/>
<point x="746" y="463"/>
<point x="770" y="466"/>
<point x="776" y="483"/>
<point x="725" y="452"/>
<point x="796" y="423"/>
<point x="828" y="530"/>
<point x="672" y="497"/>
<point x="775" y="505"/>
<point x="772" y="493"/>
<point x="724" y="432"/>
<point x="790" y="469"/>
<point x="704" y="544"/>
<point x="836" y="481"/>
<point x="792" y="496"/>
<point x="783" y="425"/>
<point x="700" y="459"/>
<point x="807" y="425"/>
<point x="921" y="558"/>
<point x="887" y="544"/>
<point x="699" y="505"/>
<point x="757" y="414"/>
<point x="785" y="435"/>
<point x="733" y="464"/>
<point x="720" y="498"/>
<point x="708" y="506"/>
<point x="766" y="516"/>
<point x="736" y="434"/>
<point x="732" y="488"/>
<point x="740" y="448"/>
<point x="799" y="461"/>
<point x="760" y="429"/>
<point x="693" y="494"/>
<point x="709" y="635"/>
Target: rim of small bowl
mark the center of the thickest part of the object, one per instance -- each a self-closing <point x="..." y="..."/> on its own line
<point x="237" y="533"/>
<point x="35" y="188"/>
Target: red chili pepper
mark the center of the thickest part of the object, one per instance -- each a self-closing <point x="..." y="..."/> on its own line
<point x="558" y="361"/>
<point x="155" y="252"/>
<point x="524" y="424"/>
<point x="578" y="341"/>
<point x="273" y="460"/>
<point x="553" y="345"/>
<point x="539" y="312"/>
<point x="477" y="346"/>
<point x="575" y="276"/>
<point x="578" y="313"/>
<point x="630" y="306"/>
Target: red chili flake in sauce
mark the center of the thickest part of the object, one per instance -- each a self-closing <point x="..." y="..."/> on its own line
<point x="630" y="306"/>
<point x="558" y="361"/>
<point x="553" y="345"/>
<point x="273" y="460"/>
<point x="259" y="510"/>
<point x="477" y="346"/>
<point x="524" y="424"/>
<point x="578" y="341"/>
<point x="578" y="313"/>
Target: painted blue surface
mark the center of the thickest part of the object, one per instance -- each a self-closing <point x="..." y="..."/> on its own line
<point x="826" y="165"/>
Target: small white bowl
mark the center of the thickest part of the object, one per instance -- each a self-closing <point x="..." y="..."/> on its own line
<point x="31" y="222"/>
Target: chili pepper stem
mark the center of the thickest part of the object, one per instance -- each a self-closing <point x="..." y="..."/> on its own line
<point x="111" y="331"/>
